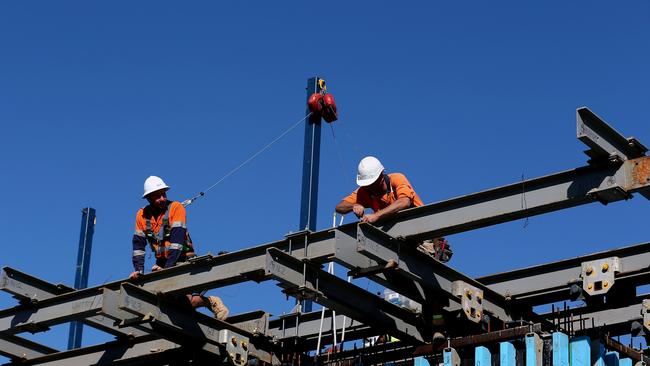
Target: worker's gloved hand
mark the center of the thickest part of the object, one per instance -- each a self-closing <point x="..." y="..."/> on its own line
<point x="371" y="218"/>
<point x="358" y="210"/>
<point x="134" y="275"/>
<point x="156" y="268"/>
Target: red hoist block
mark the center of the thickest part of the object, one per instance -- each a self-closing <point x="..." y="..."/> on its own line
<point x="315" y="103"/>
<point x="330" y="113"/>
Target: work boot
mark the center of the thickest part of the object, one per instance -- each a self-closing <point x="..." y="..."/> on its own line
<point x="438" y="249"/>
<point x="438" y="338"/>
<point x="218" y="308"/>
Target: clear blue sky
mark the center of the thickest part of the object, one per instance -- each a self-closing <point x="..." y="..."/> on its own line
<point x="461" y="97"/>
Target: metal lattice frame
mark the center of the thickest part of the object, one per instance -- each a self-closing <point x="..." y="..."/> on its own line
<point x="149" y="328"/>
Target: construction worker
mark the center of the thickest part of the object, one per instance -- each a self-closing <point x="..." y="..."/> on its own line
<point x="387" y="194"/>
<point x="162" y="224"/>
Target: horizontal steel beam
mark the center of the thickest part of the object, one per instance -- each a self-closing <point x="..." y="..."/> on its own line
<point x="17" y="348"/>
<point x="137" y="351"/>
<point x="38" y="317"/>
<point x="300" y="331"/>
<point x="550" y="282"/>
<point x="554" y="192"/>
<point x="436" y="277"/>
<point x="304" y="280"/>
<point x="29" y="290"/>
<point x="614" y="320"/>
<point x="133" y="305"/>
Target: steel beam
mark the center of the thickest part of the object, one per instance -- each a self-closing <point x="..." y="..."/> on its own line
<point x="133" y="305"/>
<point x="554" y="192"/>
<point x="17" y="348"/>
<point x="605" y="142"/>
<point x="615" y="320"/>
<point x="88" y="220"/>
<point x="436" y="277"/>
<point x="550" y="282"/>
<point x="302" y="280"/>
<point x="29" y="290"/>
<point x="300" y="331"/>
<point x="76" y="305"/>
<point x="138" y="351"/>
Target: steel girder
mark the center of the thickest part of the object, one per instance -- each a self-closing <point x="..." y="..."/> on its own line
<point x="127" y="307"/>
<point x="16" y="347"/>
<point x="551" y="282"/>
<point x="132" y="305"/>
<point x="305" y="280"/>
<point x="618" y="169"/>
<point x="300" y="331"/>
<point x="137" y="351"/>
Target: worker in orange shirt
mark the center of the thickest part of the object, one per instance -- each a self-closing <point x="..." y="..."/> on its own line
<point x="387" y="194"/>
<point x="163" y="225"/>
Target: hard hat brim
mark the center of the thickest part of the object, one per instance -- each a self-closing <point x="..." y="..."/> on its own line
<point x="368" y="181"/>
<point x="165" y="188"/>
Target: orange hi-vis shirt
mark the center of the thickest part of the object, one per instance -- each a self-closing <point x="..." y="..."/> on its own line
<point x="168" y="248"/>
<point x="400" y="187"/>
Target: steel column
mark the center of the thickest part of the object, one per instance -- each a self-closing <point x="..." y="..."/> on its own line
<point x="310" y="170"/>
<point x="83" y="266"/>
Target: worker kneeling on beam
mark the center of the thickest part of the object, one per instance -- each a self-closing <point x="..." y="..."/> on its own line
<point x="387" y="194"/>
<point x="163" y="225"/>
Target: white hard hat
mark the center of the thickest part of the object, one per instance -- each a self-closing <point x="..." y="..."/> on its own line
<point x="369" y="170"/>
<point x="153" y="184"/>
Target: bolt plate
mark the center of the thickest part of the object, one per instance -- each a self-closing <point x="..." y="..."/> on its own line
<point x="471" y="300"/>
<point x="598" y="276"/>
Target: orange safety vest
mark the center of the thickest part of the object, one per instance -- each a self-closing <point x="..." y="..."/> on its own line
<point x="159" y="242"/>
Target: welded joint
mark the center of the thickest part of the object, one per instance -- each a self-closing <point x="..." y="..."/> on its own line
<point x="471" y="300"/>
<point x="236" y="346"/>
<point x="598" y="276"/>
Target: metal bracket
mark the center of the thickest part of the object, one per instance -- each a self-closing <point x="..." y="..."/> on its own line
<point x="471" y="300"/>
<point x="645" y="311"/>
<point x="236" y="346"/>
<point x="369" y="271"/>
<point x="609" y="194"/>
<point x="450" y="357"/>
<point x="598" y="276"/>
<point x="303" y="293"/>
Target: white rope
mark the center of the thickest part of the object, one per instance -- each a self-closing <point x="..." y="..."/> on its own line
<point x="233" y="171"/>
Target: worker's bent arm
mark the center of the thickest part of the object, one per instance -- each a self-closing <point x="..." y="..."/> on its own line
<point x="176" y="239"/>
<point x="399" y="205"/>
<point x="139" y="243"/>
<point x="344" y="207"/>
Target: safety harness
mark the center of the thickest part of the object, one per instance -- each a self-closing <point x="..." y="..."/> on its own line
<point x="157" y="242"/>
